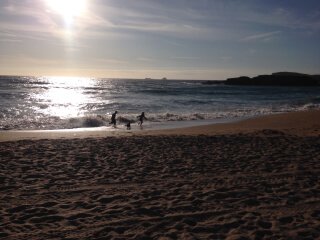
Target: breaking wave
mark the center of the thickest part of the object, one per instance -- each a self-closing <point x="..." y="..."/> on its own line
<point x="50" y="103"/>
<point x="93" y="121"/>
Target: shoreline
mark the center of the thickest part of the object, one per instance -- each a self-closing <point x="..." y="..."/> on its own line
<point x="297" y="123"/>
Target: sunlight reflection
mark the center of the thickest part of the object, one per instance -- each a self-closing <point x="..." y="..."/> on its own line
<point x="66" y="97"/>
<point x="71" y="81"/>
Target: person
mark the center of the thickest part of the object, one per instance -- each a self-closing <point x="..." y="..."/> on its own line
<point x="128" y="125"/>
<point x="141" y="117"/>
<point x="113" y="119"/>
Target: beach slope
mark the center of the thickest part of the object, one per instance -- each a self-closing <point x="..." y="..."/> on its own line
<point x="255" y="179"/>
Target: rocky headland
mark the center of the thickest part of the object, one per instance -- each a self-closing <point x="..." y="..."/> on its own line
<point x="275" y="79"/>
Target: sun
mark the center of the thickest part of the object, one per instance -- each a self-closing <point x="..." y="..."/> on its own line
<point x="68" y="9"/>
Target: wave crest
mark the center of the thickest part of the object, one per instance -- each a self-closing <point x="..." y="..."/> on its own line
<point x="91" y="121"/>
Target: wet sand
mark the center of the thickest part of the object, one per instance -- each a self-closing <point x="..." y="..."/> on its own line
<point x="256" y="179"/>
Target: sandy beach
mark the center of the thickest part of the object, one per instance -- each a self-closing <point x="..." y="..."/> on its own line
<point x="253" y="179"/>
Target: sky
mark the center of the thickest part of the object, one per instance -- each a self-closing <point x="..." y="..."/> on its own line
<point x="176" y="39"/>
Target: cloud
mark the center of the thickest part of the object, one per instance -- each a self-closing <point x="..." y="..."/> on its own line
<point x="201" y="20"/>
<point x="261" y="37"/>
<point x="207" y="20"/>
<point x="190" y="58"/>
<point x="184" y="19"/>
<point x="181" y="34"/>
<point x="33" y="19"/>
<point x="273" y="16"/>
<point x="162" y="18"/>
<point x="8" y="37"/>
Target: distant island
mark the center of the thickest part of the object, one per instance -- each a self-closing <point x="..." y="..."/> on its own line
<point x="147" y="78"/>
<point x="275" y="79"/>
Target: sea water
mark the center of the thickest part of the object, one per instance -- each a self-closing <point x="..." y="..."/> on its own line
<point x="66" y="103"/>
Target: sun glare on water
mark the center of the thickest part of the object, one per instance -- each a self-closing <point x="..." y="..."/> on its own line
<point x="65" y="96"/>
<point x="68" y="9"/>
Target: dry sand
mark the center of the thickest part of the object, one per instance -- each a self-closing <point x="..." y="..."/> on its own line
<point x="256" y="179"/>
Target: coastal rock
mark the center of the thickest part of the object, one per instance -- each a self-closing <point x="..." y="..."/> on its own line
<point x="277" y="79"/>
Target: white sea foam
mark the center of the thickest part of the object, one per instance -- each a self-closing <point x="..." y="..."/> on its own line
<point x="45" y="103"/>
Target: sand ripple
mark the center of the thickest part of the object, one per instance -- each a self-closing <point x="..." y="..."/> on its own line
<point x="247" y="186"/>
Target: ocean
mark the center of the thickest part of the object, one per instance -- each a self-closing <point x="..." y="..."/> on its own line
<point x="65" y="103"/>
